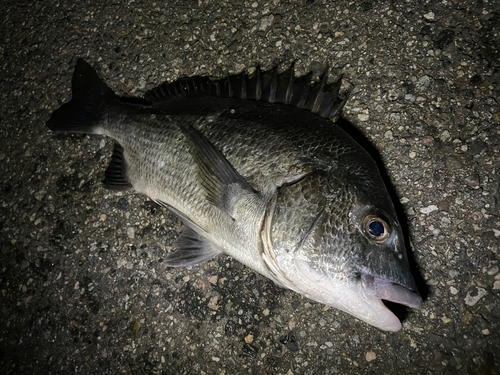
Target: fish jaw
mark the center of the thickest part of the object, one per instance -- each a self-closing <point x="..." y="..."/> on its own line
<point x="359" y="296"/>
<point x="375" y="290"/>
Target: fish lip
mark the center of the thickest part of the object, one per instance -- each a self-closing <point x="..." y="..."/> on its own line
<point x="383" y="289"/>
<point x="361" y="296"/>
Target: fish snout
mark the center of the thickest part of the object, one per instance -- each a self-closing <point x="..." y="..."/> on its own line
<point x="380" y="288"/>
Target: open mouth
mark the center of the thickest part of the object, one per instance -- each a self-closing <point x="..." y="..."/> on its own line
<point x="385" y="290"/>
<point x="378" y="290"/>
<point x="363" y="297"/>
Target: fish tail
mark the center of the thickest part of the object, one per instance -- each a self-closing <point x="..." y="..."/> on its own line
<point x="88" y="106"/>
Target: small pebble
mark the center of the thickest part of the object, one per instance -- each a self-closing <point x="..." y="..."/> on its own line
<point x="445" y="319"/>
<point x="474" y="295"/>
<point x="427" y="210"/>
<point x="429" y="16"/>
<point x="363" y="117"/>
<point x="370" y="356"/>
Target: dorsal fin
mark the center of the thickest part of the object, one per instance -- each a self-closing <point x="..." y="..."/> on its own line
<point x="266" y="86"/>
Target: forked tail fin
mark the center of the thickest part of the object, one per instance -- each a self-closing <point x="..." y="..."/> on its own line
<point x="87" y="108"/>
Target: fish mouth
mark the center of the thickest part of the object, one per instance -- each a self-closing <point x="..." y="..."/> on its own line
<point x="377" y="290"/>
<point x="361" y="296"/>
<point x="386" y="290"/>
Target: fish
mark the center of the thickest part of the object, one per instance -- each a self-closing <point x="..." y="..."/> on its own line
<point x="255" y="166"/>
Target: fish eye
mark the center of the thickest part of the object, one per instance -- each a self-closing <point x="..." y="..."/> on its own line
<point x="376" y="228"/>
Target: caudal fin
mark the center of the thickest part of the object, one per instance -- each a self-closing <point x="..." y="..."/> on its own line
<point x="87" y="108"/>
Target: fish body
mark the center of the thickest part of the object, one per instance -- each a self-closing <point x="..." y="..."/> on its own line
<point x="255" y="168"/>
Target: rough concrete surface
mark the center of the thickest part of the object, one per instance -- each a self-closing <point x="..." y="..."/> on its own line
<point x="82" y="285"/>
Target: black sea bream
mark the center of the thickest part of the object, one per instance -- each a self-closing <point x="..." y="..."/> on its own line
<point x="255" y="168"/>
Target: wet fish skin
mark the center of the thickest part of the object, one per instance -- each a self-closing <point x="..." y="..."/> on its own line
<point x="282" y="190"/>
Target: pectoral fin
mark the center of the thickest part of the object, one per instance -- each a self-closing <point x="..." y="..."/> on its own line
<point x="223" y="185"/>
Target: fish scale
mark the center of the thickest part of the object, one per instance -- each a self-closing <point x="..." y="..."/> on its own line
<point x="255" y="168"/>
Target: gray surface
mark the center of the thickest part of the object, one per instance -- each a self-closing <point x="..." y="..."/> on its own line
<point x="83" y="288"/>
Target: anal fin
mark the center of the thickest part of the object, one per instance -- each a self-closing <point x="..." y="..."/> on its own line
<point x="115" y="178"/>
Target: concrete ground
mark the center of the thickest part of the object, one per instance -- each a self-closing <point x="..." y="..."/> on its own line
<point x="83" y="286"/>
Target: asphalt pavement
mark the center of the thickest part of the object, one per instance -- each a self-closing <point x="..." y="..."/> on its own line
<point x="83" y="286"/>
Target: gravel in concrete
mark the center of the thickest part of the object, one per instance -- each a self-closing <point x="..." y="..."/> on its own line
<point x="83" y="287"/>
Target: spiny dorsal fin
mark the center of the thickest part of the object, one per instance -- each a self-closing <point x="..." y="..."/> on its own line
<point x="266" y="86"/>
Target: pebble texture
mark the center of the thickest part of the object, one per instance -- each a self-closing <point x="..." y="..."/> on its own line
<point x="83" y="288"/>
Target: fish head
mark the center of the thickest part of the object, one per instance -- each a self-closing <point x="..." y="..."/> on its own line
<point x="341" y="244"/>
